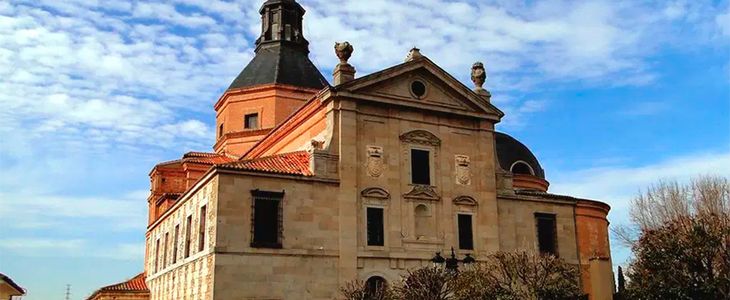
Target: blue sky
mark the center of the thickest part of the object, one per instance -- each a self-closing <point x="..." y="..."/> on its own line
<point x="610" y="95"/>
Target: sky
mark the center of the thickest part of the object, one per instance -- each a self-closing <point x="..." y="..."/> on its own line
<point x="611" y="96"/>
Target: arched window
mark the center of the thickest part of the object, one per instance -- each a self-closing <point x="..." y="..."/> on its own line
<point x="375" y="287"/>
<point x="521" y="167"/>
<point x="423" y="221"/>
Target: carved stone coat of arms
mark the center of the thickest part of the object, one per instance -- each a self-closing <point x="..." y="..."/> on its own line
<point x="463" y="173"/>
<point x="375" y="161"/>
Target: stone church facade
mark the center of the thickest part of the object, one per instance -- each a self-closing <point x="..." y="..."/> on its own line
<point x="313" y="184"/>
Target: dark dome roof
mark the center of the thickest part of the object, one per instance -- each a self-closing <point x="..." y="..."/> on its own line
<point x="510" y="150"/>
<point x="278" y="63"/>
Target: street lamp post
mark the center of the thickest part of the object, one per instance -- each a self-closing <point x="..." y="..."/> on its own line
<point x="452" y="263"/>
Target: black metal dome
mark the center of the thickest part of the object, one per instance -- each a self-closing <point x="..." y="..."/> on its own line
<point x="511" y="151"/>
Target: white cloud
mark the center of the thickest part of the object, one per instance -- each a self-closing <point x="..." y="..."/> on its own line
<point x="645" y="108"/>
<point x="26" y="209"/>
<point x="618" y="184"/>
<point x="723" y="22"/>
<point x="517" y="113"/>
<point x="54" y="247"/>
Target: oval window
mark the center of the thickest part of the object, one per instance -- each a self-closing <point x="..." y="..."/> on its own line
<point x="418" y="89"/>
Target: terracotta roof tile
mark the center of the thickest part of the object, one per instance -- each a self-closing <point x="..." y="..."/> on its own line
<point x="201" y="158"/>
<point x="293" y="163"/>
<point x="137" y="283"/>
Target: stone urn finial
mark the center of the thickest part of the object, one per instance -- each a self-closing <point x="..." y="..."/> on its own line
<point x="344" y="51"/>
<point x="478" y="75"/>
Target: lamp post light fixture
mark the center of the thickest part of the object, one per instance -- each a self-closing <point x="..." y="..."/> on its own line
<point x="452" y="263"/>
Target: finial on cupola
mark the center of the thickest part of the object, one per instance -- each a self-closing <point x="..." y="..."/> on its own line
<point x="479" y="76"/>
<point x="344" y="71"/>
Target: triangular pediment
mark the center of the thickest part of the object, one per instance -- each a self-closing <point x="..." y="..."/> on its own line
<point x="442" y="92"/>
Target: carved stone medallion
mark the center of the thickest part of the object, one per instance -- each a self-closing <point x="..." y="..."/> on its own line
<point x="463" y="172"/>
<point x="375" y="163"/>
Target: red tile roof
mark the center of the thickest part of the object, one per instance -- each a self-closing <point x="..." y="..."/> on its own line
<point x="293" y="163"/>
<point x="202" y="158"/>
<point x="136" y="285"/>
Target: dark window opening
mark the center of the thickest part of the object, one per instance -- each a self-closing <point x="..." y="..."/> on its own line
<point x="220" y="130"/>
<point x="418" y="89"/>
<point x="375" y="287"/>
<point x="267" y="219"/>
<point x="466" y="239"/>
<point x="174" y="243"/>
<point x="420" y="167"/>
<point x="188" y="226"/>
<point x="375" y="230"/>
<point x="157" y="255"/>
<point x="251" y="121"/>
<point x="521" y="168"/>
<point x="546" y="233"/>
<point x="164" y="250"/>
<point x="201" y="228"/>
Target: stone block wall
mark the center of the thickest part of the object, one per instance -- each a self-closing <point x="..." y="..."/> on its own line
<point x="518" y="229"/>
<point x="186" y="277"/>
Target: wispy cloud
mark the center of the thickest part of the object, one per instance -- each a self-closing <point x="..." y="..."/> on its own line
<point x="618" y="184"/>
<point x="646" y="108"/>
<point x="59" y="213"/>
<point x="54" y="247"/>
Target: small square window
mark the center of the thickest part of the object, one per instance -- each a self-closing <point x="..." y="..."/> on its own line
<point x="420" y="167"/>
<point x="251" y="121"/>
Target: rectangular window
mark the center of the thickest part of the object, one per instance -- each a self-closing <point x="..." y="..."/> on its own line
<point x="188" y="227"/>
<point x="164" y="250"/>
<point x="267" y="223"/>
<point x="201" y="228"/>
<point x="220" y="130"/>
<point x="157" y="255"/>
<point x="251" y="121"/>
<point x="420" y="168"/>
<point x="174" y="243"/>
<point x="466" y="238"/>
<point x="375" y="230"/>
<point x="546" y="233"/>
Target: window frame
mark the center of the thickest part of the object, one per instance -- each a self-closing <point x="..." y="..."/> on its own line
<point x="246" y="121"/>
<point x="430" y="157"/>
<point x="202" y="224"/>
<point x="164" y="249"/>
<point x="554" y="219"/>
<point x="175" y="242"/>
<point x="268" y="196"/>
<point x="382" y="226"/>
<point x="188" y="233"/>
<point x="471" y="230"/>
<point x="522" y="162"/>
